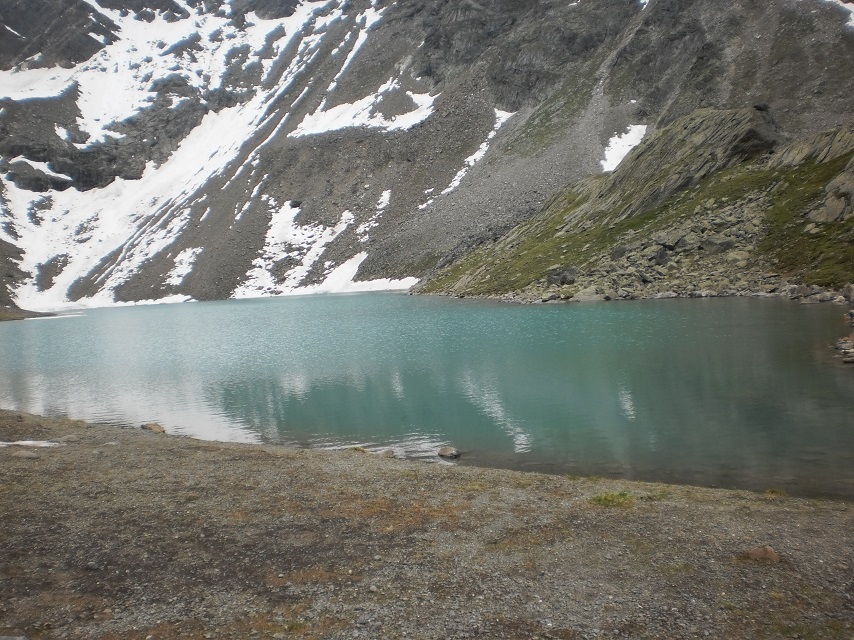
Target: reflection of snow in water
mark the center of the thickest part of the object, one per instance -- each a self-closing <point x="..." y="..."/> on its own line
<point x="413" y="446"/>
<point x="29" y="443"/>
<point x="627" y="404"/>
<point x="397" y="385"/>
<point x="488" y="400"/>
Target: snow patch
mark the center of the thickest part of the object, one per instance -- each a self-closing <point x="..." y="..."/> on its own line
<point x="8" y="28"/>
<point x="117" y="81"/>
<point x="184" y="263"/>
<point x="367" y="19"/>
<point x="500" y="118"/>
<point x="385" y="198"/>
<point x="286" y="239"/>
<point x="133" y="221"/>
<point x="86" y="226"/>
<point x="363" y="113"/>
<point x="620" y="145"/>
<point x="343" y="280"/>
<point x="30" y="443"/>
<point x="41" y="166"/>
<point x="848" y="7"/>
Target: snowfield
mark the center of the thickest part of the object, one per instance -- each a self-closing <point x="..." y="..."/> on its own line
<point x="135" y="220"/>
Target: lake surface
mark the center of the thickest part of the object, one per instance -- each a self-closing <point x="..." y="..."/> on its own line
<point x="722" y="392"/>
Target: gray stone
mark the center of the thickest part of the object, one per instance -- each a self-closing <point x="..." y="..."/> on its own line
<point x="590" y="294"/>
<point x="449" y="452"/>
<point x="154" y="427"/>
<point x="762" y="554"/>
<point x="566" y="275"/>
<point x="29" y="455"/>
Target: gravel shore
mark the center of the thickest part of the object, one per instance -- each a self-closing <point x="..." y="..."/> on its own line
<point x="123" y="533"/>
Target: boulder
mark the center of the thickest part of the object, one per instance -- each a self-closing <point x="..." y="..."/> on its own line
<point x="762" y="554"/>
<point x="450" y="453"/>
<point x="154" y="427"/>
<point x="590" y="294"/>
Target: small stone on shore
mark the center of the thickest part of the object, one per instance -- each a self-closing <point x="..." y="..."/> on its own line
<point x="449" y="452"/>
<point x="154" y="427"/>
<point x="25" y="454"/>
<point x="765" y="553"/>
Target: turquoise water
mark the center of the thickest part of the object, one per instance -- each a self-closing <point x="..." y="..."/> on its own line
<point x="724" y="392"/>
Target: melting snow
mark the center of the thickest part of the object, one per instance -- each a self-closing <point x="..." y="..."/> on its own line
<point x="8" y="28"/>
<point x="41" y="166"/>
<point x="86" y="226"/>
<point x="184" y="262"/>
<point x="363" y="229"/>
<point x="620" y="145"/>
<point x="363" y="113"/>
<point x="500" y="118"/>
<point x="848" y="7"/>
<point x="342" y="280"/>
<point x="116" y="83"/>
<point x="286" y="239"/>
<point x="385" y="198"/>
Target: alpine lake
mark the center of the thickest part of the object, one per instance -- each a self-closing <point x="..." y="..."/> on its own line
<point x="734" y="392"/>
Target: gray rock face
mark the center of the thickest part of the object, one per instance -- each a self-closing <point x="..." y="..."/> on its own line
<point x="386" y="124"/>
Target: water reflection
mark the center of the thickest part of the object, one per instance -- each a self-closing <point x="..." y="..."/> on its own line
<point x="727" y="392"/>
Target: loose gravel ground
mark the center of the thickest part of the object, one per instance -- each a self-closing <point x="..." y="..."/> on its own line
<point x="120" y="533"/>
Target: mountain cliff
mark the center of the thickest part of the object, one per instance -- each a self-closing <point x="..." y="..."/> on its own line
<point x="206" y="149"/>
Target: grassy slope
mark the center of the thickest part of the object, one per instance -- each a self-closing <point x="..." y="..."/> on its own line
<point x="538" y="247"/>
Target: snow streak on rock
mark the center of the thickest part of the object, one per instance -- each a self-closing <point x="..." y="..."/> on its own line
<point x="500" y="118"/>
<point x="620" y="145"/>
<point x="364" y="113"/>
<point x="289" y="244"/>
<point x="363" y="229"/>
<point x="184" y="262"/>
<point x="111" y="232"/>
<point x="286" y="242"/>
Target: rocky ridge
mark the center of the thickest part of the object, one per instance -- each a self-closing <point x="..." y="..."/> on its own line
<point x="462" y="173"/>
<point x="719" y="203"/>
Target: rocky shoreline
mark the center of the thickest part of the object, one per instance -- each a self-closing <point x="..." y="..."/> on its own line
<point x="14" y="313"/>
<point x="714" y="252"/>
<point x="124" y="533"/>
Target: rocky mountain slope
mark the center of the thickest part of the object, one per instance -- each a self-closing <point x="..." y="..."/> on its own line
<point x="205" y="149"/>
<point x="734" y="209"/>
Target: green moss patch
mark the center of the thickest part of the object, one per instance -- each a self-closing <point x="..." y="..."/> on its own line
<point x="537" y="248"/>
<point x="824" y="258"/>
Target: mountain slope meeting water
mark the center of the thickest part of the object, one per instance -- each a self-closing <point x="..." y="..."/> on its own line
<point x="207" y="149"/>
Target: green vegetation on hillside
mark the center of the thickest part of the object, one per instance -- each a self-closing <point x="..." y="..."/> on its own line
<point x="543" y="245"/>
<point x="825" y="257"/>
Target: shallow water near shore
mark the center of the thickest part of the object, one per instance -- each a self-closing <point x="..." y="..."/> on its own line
<point x="721" y="392"/>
